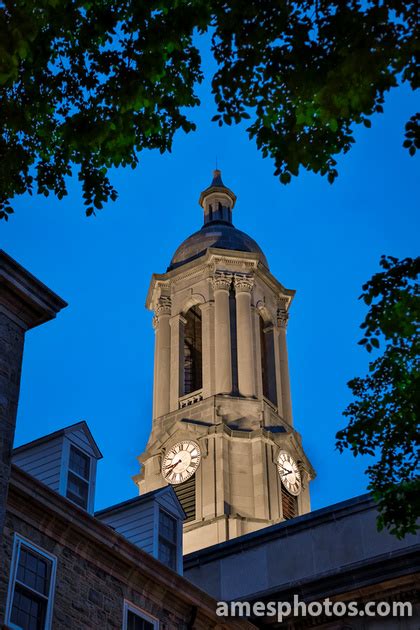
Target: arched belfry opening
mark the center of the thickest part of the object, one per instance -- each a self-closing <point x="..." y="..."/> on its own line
<point x="193" y="351"/>
<point x="268" y="370"/>
<point x="221" y="383"/>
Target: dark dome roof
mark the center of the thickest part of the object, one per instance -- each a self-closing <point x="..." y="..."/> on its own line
<point x="221" y="235"/>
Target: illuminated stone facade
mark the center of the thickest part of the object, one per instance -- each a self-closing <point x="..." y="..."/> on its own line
<point x="221" y="380"/>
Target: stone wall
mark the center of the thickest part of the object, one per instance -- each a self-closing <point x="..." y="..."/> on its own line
<point x="97" y="568"/>
<point x="86" y="595"/>
<point x="11" y="350"/>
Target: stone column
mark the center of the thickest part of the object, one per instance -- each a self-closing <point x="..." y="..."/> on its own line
<point x="177" y="323"/>
<point x="246" y="380"/>
<point x="162" y="357"/>
<point x="258" y="363"/>
<point x="223" y="357"/>
<point x="24" y="304"/>
<point x="282" y="319"/>
<point x="208" y="348"/>
<point x="277" y="362"/>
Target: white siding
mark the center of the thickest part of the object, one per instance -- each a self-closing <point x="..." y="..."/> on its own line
<point x="170" y="503"/>
<point x="43" y="462"/>
<point x="135" y="522"/>
<point x="79" y="438"/>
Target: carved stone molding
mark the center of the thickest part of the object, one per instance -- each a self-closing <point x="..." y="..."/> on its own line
<point x="163" y="307"/>
<point x="282" y="318"/>
<point x="282" y="314"/>
<point x="238" y="262"/>
<point x="244" y="282"/>
<point x="222" y="280"/>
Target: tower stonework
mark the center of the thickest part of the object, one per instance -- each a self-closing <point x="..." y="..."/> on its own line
<point x="222" y="429"/>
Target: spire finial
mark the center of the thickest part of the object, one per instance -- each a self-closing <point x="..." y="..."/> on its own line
<point x="217" y="200"/>
<point x="217" y="179"/>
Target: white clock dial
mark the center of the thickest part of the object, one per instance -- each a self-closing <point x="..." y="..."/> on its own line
<point x="181" y="462"/>
<point x="289" y="473"/>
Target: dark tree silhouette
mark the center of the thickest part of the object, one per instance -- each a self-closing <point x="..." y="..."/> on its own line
<point x="384" y="416"/>
<point x="86" y="85"/>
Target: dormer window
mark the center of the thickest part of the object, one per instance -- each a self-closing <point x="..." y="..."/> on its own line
<point x="168" y="540"/>
<point x="78" y="477"/>
<point x="151" y="521"/>
<point x="65" y="461"/>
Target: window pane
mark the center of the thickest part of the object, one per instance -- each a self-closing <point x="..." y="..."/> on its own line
<point x="167" y="526"/>
<point x="135" y="622"/>
<point x="77" y="490"/>
<point x="79" y="462"/>
<point x="167" y="553"/>
<point x="34" y="571"/>
<point x="28" y="611"/>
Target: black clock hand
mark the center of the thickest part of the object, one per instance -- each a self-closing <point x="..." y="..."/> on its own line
<point x="173" y="465"/>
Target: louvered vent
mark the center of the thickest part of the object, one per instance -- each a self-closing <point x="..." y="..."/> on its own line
<point x="186" y="496"/>
<point x="289" y="503"/>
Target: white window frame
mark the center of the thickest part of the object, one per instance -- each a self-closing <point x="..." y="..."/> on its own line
<point x="18" y="542"/>
<point x="65" y="468"/>
<point x="129" y="607"/>
<point x="179" y="556"/>
<point x="174" y="544"/>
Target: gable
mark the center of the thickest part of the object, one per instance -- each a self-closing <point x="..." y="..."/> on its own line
<point x="168" y="500"/>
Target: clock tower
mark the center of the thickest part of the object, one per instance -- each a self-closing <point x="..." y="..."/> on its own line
<point x="222" y="431"/>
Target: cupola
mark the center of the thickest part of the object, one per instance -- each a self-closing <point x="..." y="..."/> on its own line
<point x="217" y="201"/>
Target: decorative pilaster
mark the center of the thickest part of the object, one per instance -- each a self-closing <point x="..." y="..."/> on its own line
<point x="223" y="359"/>
<point x="162" y="356"/>
<point x="207" y="315"/>
<point x="176" y="364"/>
<point x="282" y="320"/>
<point x="255" y="313"/>
<point x="243" y="288"/>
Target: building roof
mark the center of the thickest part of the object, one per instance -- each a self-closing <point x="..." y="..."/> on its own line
<point x="331" y="550"/>
<point x="142" y="498"/>
<point x="221" y="235"/>
<point x="24" y="296"/>
<point x="66" y="430"/>
<point x="218" y="231"/>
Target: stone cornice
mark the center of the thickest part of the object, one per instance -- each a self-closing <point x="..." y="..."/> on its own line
<point x="284" y="529"/>
<point x="207" y="264"/>
<point x="23" y="297"/>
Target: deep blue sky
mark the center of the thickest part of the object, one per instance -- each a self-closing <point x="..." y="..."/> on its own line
<point x="95" y="361"/>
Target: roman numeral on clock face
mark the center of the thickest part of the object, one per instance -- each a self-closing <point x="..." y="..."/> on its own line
<point x="181" y="461"/>
<point x="289" y="472"/>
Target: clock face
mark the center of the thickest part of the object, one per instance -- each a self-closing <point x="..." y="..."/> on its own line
<point x="181" y="462"/>
<point x="289" y="473"/>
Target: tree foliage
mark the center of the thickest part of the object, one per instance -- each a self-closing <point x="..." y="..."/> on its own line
<point x="89" y="84"/>
<point x="384" y="416"/>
